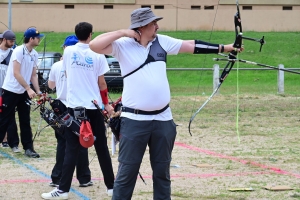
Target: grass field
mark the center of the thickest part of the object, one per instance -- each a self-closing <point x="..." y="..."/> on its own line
<point x="280" y="48"/>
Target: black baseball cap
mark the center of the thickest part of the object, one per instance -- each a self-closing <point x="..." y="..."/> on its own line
<point x="9" y="35"/>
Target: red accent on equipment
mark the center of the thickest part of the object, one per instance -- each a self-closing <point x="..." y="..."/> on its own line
<point x="104" y="96"/>
<point x="0" y="104"/>
<point x="86" y="137"/>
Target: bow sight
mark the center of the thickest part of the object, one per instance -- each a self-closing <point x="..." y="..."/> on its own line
<point x="239" y="31"/>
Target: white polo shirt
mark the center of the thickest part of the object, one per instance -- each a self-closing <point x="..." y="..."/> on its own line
<point x="58" y="75"/>
<point x="83" y="67"/>
<point x="3" y="68"/>
<point x="148" y="88"/>
<point x="28" y="61"/>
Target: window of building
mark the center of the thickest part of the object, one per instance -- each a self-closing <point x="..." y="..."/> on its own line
<point x="69" y="6"/>
<point x="287" y="7"/>
<point x="209" y="7"/>
<point x="108" y="7"/>
<point x="159" y="7"/>
<point x="195" y="7"/>
<point x="145" y="6"/>
<point x="247" y="7"/>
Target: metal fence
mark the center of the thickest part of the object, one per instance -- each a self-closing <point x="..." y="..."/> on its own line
<point x="216" y="74"/>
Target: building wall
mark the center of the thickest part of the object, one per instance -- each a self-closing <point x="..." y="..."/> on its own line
<point x="266" y="15"/>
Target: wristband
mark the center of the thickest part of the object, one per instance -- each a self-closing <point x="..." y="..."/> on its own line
<point x="104" y="97"/>
<point x="222" y="48"/>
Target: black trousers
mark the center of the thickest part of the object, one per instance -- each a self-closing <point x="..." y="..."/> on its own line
<point x="11" y="101"/>
<point x="73" y="147"/>
<point x="83" y="172"/>
<point x="12" y="133"/>
<point x="159" y="136"/>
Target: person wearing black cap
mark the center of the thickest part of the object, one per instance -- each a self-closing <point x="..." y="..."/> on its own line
<point x="146" y="117"/>
<point x="85" y="82"/>
<point x="57" y="79"/>
<point x="11" y="138"/>
<point x="16" y="89"/>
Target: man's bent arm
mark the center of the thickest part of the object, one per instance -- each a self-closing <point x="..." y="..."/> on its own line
<point x="34" y="81"/>
<point x="18" y="76"/>
<point x="103" y="87"/>
<point x="51" y="85"/>
<point x="102" y="83"/>
<point x="102" y="43"/>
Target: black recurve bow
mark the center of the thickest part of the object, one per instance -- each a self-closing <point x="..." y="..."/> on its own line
<point x="232" y="58"/>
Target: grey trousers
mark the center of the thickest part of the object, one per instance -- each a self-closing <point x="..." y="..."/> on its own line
<point x="135" y="136"/>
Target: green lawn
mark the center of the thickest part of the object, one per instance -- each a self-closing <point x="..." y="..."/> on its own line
<point x="280" y="48"/>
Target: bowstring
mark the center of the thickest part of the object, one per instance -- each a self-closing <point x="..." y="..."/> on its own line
<point x="204" y="62"/>
<point x="237" y="79"/>
<point x="237" y="100"/>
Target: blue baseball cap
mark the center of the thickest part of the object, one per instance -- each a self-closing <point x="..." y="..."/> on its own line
<point x="32" y="32"/>
<point x="70" y="40"/>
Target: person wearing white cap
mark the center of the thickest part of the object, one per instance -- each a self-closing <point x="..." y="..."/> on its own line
<point x="16" y="88"/>
<point x="146" y="117"/>
<point x="11" y="138"/>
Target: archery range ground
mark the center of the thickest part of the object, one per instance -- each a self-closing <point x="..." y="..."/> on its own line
<point x="262" y="152"/>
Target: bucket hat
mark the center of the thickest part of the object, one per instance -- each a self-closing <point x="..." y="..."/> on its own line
<point x="141" y="17"/>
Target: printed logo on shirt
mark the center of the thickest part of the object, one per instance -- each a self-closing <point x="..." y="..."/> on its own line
<point x="62" y="75"/>
<point x="87" y="65"/>
<point x="89" y="60"/>
<point x="75" y="57"/>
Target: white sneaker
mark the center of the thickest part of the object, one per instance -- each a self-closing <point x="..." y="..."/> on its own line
<point x="16" y="150"/>
<point x="110" y="192"/>
<point x="55" y="194"/>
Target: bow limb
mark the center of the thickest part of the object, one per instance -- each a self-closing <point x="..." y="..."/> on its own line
<point x="44" y="48"/>
<point x="4" y="25"/>
<point x="223" y="76"/>
<point x="199" y="109"/>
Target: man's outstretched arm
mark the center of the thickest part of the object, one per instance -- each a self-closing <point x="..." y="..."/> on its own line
<point x="201" y="47"/>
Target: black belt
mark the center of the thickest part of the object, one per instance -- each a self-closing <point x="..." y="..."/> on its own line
<point x="142" y="112"/>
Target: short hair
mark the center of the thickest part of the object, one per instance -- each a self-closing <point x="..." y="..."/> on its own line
<point x="26" y="40"/>
<point x="83" y="30"/>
